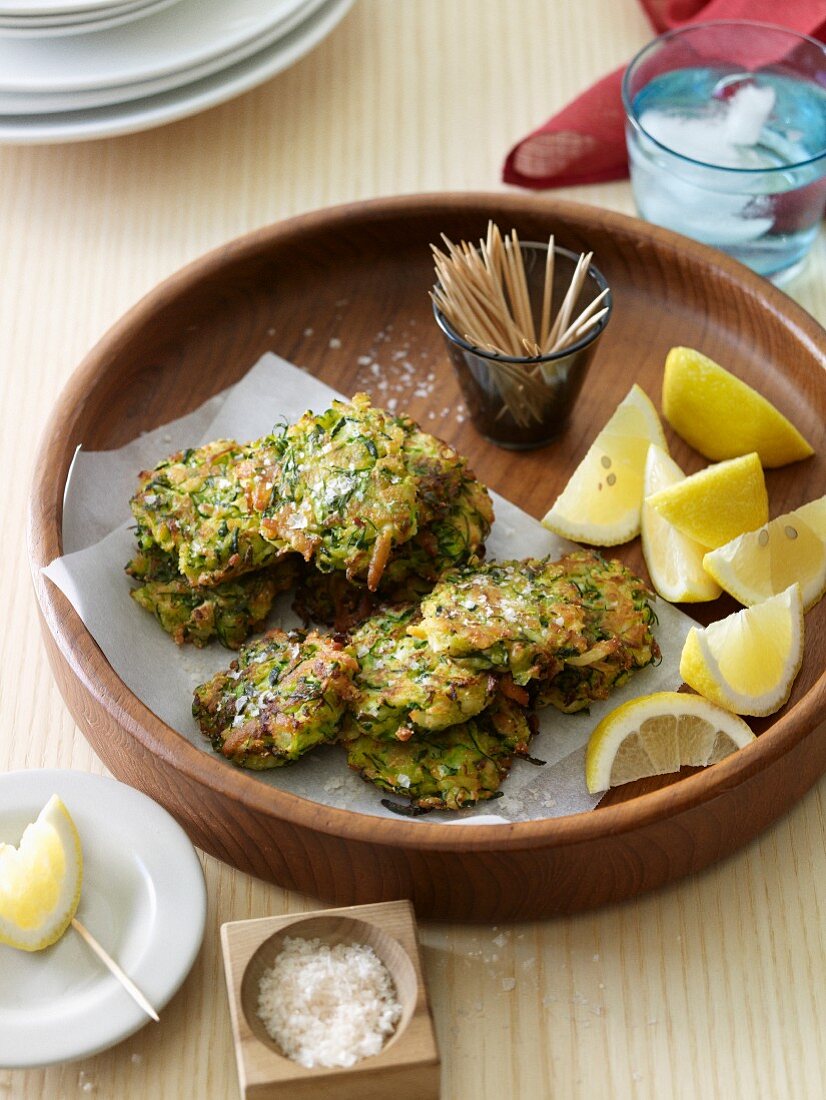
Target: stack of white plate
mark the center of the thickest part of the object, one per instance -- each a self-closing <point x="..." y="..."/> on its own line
<point x="160" y="60"/>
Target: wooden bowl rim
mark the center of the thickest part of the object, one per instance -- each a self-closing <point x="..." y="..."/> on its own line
<point x="92" y="670"/>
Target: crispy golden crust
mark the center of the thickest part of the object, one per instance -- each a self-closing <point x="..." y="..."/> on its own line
<point x="573" y="629"/>
<point x="449" y="770"/>
<point x="522" y="617"/>
<point x="619" y="629"/>
<point x="455" y="538"/>
<point x="285" y="694"/>
<point x="344" y="497"/>
<point x="450" y="539"/>
<point x="230" y="611"/>
<point x="360" y="494"/>
<point x="402" y="687"/>
<point x="372" y="496"/>
<point x="204" y="506"/>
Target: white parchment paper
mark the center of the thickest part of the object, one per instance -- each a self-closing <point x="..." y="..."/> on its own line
<point x="99" y="541"/>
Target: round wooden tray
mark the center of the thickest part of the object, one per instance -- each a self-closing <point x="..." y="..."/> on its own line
<point x="330" y="288"/>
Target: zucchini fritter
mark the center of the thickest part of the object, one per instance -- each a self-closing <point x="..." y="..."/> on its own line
<point x="371" y="495"/>
<point x="619" y="621"/>
<point x="204" y="505"/>
<point x="453" y="539"/>
<point x="282" y="696"/>
<point x="230" y="611"/>
<point x="402" y="687"/>
<point x="449" y="770"/>
<point x="574" y="628"/>
<point x="523" y="617"/>
<point x="344" y="497"/>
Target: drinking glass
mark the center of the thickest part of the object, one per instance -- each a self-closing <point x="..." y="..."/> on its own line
<point x="726" y="133"/>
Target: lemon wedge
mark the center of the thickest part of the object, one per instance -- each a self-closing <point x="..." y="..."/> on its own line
<point x="718" y="503"/>
<point x="660" y="733"/>
<point x="762" y="563"/>
<point x="601" y="503"/>
<point x="721" y="416"/>
<point x="40" y="880"/>
<point x="674" y="561"/>
<point x="813" y="515"/>
<point x="747" y="662"/>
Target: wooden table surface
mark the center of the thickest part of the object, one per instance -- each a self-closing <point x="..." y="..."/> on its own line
<point x="715" y="987"/>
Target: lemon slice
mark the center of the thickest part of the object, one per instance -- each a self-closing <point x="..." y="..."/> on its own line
<point x="718" y="503"/>
<point x="660" y="733"/>
<point x="601" y="503"/>
<point x="40" y="880"/>
<point x="762" y="563"/>
<point x="747" y="662"/>
<point x="721" y="416"/>
<point x="674" y="561"/>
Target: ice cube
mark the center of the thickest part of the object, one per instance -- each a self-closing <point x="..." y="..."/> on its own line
<point x="702" y="139"/>
<point x="723" y="134"/>
<point x="711" y="217"/>
<point x="746" y="113"/>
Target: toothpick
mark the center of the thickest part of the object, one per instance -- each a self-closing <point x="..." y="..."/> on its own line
<point x="564" y="316"/>
<point x="547" y="293"/>
<point x="521" y="283"/>
<point x="578" y="324"/>
<point x="109" y="962"/>
<point x="581" y="329"/>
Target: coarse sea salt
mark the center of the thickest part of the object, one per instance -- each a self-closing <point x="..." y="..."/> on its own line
<point x="328" y="1006"/>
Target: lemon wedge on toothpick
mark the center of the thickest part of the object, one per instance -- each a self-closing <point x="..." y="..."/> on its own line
<point x="40" y="880"/>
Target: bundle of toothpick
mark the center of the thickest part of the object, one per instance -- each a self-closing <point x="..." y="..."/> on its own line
<point x="483" y="294"/>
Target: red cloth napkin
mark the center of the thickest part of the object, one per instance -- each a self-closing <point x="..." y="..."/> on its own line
<point x="585" y="141"/>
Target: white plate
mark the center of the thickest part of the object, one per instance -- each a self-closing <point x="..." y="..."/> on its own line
<point x="70" y="16"/>
<point x="54" y="7"/>
<point x="11" y="104"/>
<point x="186" y="34"/>
<point x="116" y="17"/>
<point x="143" y="898"/>
<point x="127" y="118"/>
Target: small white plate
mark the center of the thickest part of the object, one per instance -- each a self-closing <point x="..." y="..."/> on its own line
<point x="143" y="898"/>
<point x="157" y="110"/>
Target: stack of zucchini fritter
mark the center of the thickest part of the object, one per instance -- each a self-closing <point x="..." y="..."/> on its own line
<point x="355" y="503"/>
<point x="438" y="660"/>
